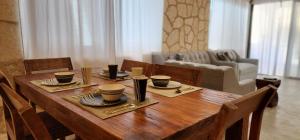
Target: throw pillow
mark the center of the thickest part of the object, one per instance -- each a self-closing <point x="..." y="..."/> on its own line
<point x="222" y="57"/>
<point x="179" y="57"/>
<point x="228" y="57"/>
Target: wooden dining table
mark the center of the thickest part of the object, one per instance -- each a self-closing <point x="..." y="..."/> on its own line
<point x="171" y="117"/>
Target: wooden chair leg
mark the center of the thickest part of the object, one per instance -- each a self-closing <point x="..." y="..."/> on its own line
<point x="33" y="105"/>
<point x="239" y="130"/>
<point x="8" y="137"/>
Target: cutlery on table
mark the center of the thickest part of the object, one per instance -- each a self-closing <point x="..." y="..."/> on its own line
<point x="179" y="90"/>
<point x="121" y="108"/>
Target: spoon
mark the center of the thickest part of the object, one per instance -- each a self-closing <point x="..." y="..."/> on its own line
<point x="178" y="90"/>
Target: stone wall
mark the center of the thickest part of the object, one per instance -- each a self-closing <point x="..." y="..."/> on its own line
<point x="10" y="44"/>
<point x="185" y="25"/>
<point x="10" y="50"/>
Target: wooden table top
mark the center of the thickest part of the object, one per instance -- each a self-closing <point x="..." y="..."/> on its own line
<point x="159" y="121"/>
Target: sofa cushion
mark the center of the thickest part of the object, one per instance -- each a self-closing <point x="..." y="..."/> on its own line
<point x="247" y="71"/>
<point x="230" y="55"/>
<point x="224" y="56"/>
<point x="201" y="57"/>
<point x="233" y="56"/>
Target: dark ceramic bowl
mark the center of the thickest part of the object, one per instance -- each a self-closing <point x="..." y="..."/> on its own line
<point x="160" y="80"/>
<point x="64" y="77"/>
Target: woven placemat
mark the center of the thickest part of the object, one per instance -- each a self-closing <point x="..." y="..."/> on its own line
<point x="106" y="112"/>
<point x="166" y="92"/>
<point x="172" y="92"/>
<point x="52" y="89"/>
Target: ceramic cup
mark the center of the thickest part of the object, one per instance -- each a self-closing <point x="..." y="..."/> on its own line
<point x="113" y="70"/>
<point x="86" y="75"/>
<point x="140" y="87"/>
<point x="136" y="71"/>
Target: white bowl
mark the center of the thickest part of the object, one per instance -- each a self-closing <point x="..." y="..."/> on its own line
<point x="111" y="92"/>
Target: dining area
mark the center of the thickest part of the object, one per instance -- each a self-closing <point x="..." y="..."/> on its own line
<point x="136" y="100"/>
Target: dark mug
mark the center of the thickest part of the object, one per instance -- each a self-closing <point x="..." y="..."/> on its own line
<point x="113" y="70"/>
<point x="140" y="87"/>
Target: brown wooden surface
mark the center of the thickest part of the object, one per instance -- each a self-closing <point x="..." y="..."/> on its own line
<point x="36" y="65"/>
<point x="235" y="114"/>
<point x="169" y="118"/>
<point x="19" y="112"/>
<point x="260" y="83"/>
<point x="128" y="64"/>
<point x="180" y="74"/>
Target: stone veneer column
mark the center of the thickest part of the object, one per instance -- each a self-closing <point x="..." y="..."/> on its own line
<point x="10" y="39"/>
<point x="185" y="25"/>
<point x="10" y="47"/>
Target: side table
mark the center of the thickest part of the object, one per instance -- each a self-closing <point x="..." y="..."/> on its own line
<point x="262" y="82"/>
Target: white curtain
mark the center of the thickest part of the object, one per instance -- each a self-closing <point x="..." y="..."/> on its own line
<point x="139" y="30"/>
<point x="229" y="22"/>
<point x="293" y="57"/>
<point x="270" y="36"/>
<point x="97" y="32"/>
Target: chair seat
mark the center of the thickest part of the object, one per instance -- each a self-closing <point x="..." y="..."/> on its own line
<point x="247" y="71"/>
<point x="55" y="128"/>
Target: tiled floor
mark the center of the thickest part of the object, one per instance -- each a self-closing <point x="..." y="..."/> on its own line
<point x="283" y="121"/>
<point x="279" y="123"/>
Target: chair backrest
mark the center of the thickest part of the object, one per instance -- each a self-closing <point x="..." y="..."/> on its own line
<point x="19" y="112"/>
<point x="39" y="65"/>
<point x="236" y="114"/>
<point x="184" y="75"/>
<point x="128" y="64"/>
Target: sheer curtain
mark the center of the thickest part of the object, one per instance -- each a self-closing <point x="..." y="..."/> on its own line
<point x="139" y="30"/>
<point x="293" y="58"/>
<point x="228" y="29"/>
<point x="96" y="32"/>
<point x="275" y="34"/>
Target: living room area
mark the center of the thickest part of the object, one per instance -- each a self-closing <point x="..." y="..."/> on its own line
<point x="213" y="53"/>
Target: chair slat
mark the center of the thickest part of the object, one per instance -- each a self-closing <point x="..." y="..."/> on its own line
<point x="180" y="74"/>
<point x="18" y="114"/>
<point x="39" y="65"/>
<point x="235" y="115"/>
<point x="128" y="64"/>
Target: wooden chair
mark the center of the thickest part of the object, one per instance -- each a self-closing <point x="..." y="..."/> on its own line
<point x="232" y="121"/>
<point x="128" y="64"/>
<point x="22" y="122"/>
<point x="39" y="65"/>
<point x="184" y="75"/>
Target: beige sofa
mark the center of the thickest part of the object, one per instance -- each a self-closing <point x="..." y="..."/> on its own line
<point x="223" y="76"/>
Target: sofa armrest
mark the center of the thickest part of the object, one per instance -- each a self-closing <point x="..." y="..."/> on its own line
<point x="246" y="60"/>
<point x="251" y="61"/>
<point x="234" y="66"/>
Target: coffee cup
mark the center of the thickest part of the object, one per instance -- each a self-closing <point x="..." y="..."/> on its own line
<point x="113" y="71"/>
<point x="140" y="87"/>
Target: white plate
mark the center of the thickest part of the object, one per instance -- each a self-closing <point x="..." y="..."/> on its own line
<point x="54" y="82"/>
<point x="171" y="85"/>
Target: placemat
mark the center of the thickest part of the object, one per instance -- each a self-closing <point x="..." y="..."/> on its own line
<point x="172" y="92"/>
<point x="167" y="92"/>
<point x="105" y="112"/>
<point x="52" y="89"/>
